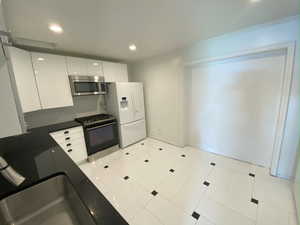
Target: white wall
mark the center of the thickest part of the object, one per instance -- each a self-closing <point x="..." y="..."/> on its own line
<point x="162" y="78"/>
<point x="230" y="111"/>
<point x="296" y="186"/>
<point x="163" y="96"/>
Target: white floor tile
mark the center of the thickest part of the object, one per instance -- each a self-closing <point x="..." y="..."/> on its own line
<point x="274" y="191"/>
<point x="234" y="190"/>
<point x="220" y="214"/>
<point x="225" y="201"/>
<point x="167" y="213"/>
<point x="204" y="221"/>
<point x="145" y="218"/>
<point x="268" y="214"/>
<point x="188" y="197"/>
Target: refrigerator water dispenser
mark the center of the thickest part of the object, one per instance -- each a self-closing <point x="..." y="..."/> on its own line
<point x="124" y="103"/>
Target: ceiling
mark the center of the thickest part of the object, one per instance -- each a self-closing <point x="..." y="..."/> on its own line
<point x="106" y="27"/>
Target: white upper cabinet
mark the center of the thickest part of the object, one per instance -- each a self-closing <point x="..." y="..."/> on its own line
<point x="115" y="72"/>
<point x="52" y="80"/>
<point x="25" y="79"/>
<point x="81" y="66"/>
<point x="94" y="67"/>
<point x="76" y="66"/>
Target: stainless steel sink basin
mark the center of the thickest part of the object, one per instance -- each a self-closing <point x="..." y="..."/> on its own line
<point x="53" y="201"/>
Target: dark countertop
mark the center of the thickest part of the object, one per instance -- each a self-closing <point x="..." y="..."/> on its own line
<point x="37" y="157"/>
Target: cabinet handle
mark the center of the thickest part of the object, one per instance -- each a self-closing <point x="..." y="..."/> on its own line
<point x="69" y="144"/>
<point x="68" y="138"/>
<point x="70" y="150"/>
<point x="66" y="132"/>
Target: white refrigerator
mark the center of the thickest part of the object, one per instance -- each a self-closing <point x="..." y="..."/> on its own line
<point x="125" y="100"/>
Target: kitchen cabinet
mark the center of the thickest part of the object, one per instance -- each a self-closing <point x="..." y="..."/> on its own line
<point x="94" y="67"/>
<point x="25" y="79"/>
<point x="76" y="66"/>
<point x="115" y="72"/>
<point x="81" y="66"/>
<point x="52" y="80"/>
<point x="72" y="142"/>
<point x="11" y="123"/>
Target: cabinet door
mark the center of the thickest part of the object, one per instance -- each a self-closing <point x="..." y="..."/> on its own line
<point x="52" y="80"/>
<point x="9" y="119"/>
<point x="115" y="72"/>
<point x="123" y="75"/>
<point x="94" y="67"/>
<point x="77" y="66"/>
<point x="25" y="79"/>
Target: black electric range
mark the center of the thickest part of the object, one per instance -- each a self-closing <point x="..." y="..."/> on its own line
<point x="100" y="132"/>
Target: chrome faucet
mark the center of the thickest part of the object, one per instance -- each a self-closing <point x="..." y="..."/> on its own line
<point x="10" y="174"/>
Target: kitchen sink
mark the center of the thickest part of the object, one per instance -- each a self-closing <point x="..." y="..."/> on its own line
<point x="53" y="201"/>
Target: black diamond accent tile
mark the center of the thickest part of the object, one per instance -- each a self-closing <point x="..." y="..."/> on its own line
<point x="172" y="171"/>
<point x="206" y="183"/>
<point x="255" y="201"/>
<point x="126" y="178"/>
<point x="212" y="164"/>
<point x="146" y="160"/>
<point x="127" y="153"/>
<point x="142" y="143"/>
<point x="160" y="149"/>
<point x="154" y="193"/>
<point x="251" y="174"/>
<point x="106" y="166"/>
<point x="183" y="156"/>
<point x="196" y="215"/>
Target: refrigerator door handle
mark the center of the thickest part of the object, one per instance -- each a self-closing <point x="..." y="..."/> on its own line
<point x="133" y="103"/>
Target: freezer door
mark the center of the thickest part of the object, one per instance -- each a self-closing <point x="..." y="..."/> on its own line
<point x="132" y="132"/>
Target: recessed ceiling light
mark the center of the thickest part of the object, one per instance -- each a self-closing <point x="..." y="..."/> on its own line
<point x="255" y="1"/>
<point x="56" y="28"/>
<point x="40" y="59"/>
<point x="132" y="47"/>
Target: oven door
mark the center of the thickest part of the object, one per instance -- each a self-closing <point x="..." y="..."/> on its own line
<point x="101" y="137"/>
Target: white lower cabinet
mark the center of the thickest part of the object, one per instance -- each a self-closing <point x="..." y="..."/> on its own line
<point x="72" y="142"/>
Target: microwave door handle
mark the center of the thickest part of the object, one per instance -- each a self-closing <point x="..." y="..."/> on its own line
<point x="105" y="125"/>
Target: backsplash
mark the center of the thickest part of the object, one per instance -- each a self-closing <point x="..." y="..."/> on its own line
<point x="83" y="106"/>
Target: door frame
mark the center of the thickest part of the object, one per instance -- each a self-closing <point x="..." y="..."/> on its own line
<point x="289" y="48"/>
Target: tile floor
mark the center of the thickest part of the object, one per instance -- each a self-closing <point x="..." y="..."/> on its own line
<point x="154" y="183"/>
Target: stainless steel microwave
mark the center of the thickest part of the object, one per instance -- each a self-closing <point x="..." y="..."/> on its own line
<point x="87" y="85"/>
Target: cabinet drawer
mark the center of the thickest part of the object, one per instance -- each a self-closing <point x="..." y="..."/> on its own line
<point x="77" y="153"/>
<point x="70" y="144"/>
<point x="68" y="138"/>
<point x="67" y="132"/>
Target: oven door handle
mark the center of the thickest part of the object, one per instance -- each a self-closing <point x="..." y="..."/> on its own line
<point x="105" y="125"/>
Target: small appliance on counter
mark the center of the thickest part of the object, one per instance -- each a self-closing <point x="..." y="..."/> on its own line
<point x="100" y="132"/>
<point x="125" y="100"/>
